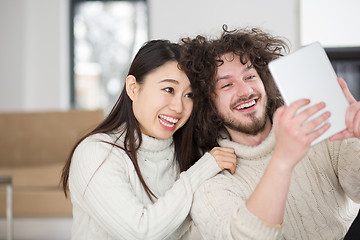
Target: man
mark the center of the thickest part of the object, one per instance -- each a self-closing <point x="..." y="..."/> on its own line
<point x="282" y="187"/>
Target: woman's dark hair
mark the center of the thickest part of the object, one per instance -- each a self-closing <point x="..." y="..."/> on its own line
<point x="200" y="60"/>
<point x="151" y="55"/>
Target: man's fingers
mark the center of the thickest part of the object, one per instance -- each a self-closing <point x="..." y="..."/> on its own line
<point x="357" y="125"/>
<point x="346" y="90"/>
<point x="318" y="132"/>
<point x="316" y="122"/>
<point x="294" y="107"/>
<point x="341" y="135"/>
<point x="304" y="115"/>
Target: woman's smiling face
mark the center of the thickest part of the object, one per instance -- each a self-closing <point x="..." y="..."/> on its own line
<point x="163" y="103"/>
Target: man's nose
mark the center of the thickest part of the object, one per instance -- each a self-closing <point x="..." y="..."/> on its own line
<point x="244" y="90"/>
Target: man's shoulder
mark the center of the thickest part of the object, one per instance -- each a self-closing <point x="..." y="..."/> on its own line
<point x="222" y="180"/>
<point x="346" y="144"/>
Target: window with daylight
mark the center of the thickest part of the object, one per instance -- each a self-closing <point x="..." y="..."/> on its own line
<point x="105" y="37"/>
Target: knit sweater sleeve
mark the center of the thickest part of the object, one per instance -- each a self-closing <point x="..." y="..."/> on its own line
<point x="221" y="213"/>
<point x="103" y="190"/>
<point x="348" y="167"/>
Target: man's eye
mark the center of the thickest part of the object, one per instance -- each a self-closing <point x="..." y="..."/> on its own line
<point x="169" y="90"/>
<point x="226" y="85"/>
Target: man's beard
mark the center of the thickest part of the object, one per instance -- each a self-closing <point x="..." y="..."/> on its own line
<point x="255" y="126"/>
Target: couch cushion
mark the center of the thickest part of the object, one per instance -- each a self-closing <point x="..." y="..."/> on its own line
<point x="40" y="138"/>
<point x="36" y="192"/>
<point x="37" y="203"/>
<point x="43" y="176"/>
<point x="33" y="150"/>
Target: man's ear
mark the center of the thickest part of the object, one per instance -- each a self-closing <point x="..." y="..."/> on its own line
<point x="132" y="87"/>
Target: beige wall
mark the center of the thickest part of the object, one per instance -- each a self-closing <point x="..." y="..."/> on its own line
<point x="34" y="40"/>
<point x="173" y="19"/>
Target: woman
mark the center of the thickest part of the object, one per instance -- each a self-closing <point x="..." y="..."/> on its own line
<point x="124" y="176"/>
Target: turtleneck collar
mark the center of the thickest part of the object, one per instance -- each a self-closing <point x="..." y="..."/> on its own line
<point x="152" y="149"/>
<point x="156" y="150"/>
<point x="150" y="144"/>
<point x="251" y="152"/>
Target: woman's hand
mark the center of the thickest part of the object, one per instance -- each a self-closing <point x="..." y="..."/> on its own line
<point x="225" y="158"/>
<point x="352" y="115"/>
<point x="294" y="133"/>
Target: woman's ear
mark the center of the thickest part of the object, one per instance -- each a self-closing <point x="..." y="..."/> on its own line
<point x="132" y="86"/>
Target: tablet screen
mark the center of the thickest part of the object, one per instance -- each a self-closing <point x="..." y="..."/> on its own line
<point x="308" y="73"/>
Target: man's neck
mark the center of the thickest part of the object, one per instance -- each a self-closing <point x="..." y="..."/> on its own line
<point x="251" y="140"/>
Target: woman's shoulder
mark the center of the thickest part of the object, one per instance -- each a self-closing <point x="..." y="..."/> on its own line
<point x="101" y="137"/>
<point x="98" y="147"/>
<point x="95" y="142"/>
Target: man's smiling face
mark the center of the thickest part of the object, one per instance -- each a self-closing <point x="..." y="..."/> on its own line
<point x="240" y="96"/>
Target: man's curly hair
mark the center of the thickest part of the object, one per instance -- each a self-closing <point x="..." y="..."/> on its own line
<point x="200" y="60"/>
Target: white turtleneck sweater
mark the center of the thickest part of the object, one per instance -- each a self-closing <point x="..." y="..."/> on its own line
<point x="319" y="204"/>
<point x="109" y="201"/>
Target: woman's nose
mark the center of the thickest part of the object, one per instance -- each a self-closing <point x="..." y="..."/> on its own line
<point x="176" y="104"/>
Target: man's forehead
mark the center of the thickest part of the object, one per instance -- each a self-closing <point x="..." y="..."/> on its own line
<point x="230" y="57"/>
<point x="227" y="57"/>
<point x="233" y="60"/>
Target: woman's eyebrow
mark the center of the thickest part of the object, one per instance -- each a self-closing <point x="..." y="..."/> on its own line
<point x="170" y="81"/>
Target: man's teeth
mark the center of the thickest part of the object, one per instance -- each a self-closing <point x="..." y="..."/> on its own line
<point x="246" y="105"/>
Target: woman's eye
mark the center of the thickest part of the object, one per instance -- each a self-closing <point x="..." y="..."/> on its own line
<point x="189" y="95"/>
<point x="169" y="90"/>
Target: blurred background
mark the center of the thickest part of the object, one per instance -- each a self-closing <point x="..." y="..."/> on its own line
<point x="61" y="55"/>
<point x="58" y="54"/>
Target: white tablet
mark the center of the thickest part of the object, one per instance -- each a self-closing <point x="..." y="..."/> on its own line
<point x="308" y="73"/>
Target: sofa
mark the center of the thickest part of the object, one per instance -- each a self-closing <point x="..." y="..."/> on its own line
<point x="34" y="147"/>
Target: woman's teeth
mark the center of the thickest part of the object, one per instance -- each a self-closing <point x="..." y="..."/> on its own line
<point x="170" y="122"/>
<point x="169" y="119"/>
<point x="166" y="124"/>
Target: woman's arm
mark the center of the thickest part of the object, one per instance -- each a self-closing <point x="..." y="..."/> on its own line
<point x="106" y="193"/>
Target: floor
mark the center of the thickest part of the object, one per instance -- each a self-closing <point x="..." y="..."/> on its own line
<point x="46" y="229"/>
<point x="38" y="228"/>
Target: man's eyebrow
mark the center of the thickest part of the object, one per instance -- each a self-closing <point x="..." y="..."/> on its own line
<point x="247" y="69"/>
<point x="222" y="77"/>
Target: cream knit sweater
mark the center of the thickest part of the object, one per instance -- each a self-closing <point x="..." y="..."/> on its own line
<point x="318" y="205"/>
<point x="109" y="201"/>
